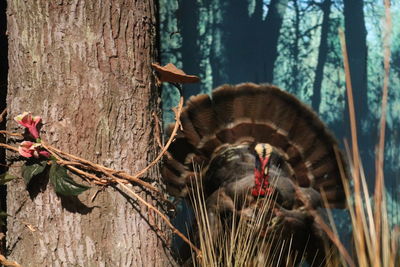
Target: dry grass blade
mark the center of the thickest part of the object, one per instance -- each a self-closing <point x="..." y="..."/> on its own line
<point x="335" y="239"/>
<point x="359" y="211"/>
<point x="243" y="240"/>
<point x="379" y="182"/>
<point x="375" y="244"/>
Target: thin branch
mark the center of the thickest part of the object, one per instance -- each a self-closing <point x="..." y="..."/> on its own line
<point x="163" y="217"/>
<point x="8" y="263"/>
<point x="10" y="133"/>
<point x="169" y="142"/>
<point x="157" y="130"/>
<point x="9" y="147"/>
<point x="2" y="114"/>
<point x="79" y="165"/>
<point x="112" y="173"/>
<point x="106" y="171"/>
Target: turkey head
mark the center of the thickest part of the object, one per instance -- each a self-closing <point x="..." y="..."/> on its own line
<point x="251" y="142"/>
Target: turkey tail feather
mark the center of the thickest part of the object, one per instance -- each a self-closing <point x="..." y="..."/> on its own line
<point x="256" y="114"/>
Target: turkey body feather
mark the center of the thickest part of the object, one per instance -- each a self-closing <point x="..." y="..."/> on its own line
<point x="220" y="132"/>
<point x="220" y="138"/>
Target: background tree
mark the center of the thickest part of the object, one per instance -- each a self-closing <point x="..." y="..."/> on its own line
<point x="85" y="68"/>
<point x="188" y="18"/>
<point x="298" y="49"/>
<point x="322" y="53"/>
<point x="356" y="44"/>
<point x="249" y="37"/>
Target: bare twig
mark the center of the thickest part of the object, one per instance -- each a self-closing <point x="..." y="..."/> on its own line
<point x="112" y="173"/>
<point x="163" y="217"/>
<point x="80" y="165"/>
<point x="10" y="133"/>
<point x="169" y="142"/>
<point x="8" y="263"/>
<point x="9" y="147"/>
<point x="95" y="194"/>
<point x="157" y="130"/>
<point x="106" y="171"/>
<point x="29" y="226"/>
<point x="2" y="114"/>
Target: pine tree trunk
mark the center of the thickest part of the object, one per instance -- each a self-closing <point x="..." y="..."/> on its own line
<point x="295" y="51"/>
<point x="3" y="96"/>
<point x="356" y="43"/>
<point x="322" y="54"/>
<point x="188" y="20"/>
<point x="84" y="66"/>
<point x="273" y="21"/>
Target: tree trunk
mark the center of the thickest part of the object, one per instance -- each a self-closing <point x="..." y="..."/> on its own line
<point x="322" y="54"/>
<point x="3" y="96"/>
<point x="238" y="35"/>
<point x="295" y="83"/>
<point x="356" y="41"/>
<point x="188" y="19"/>
<point x="273" y="22"/>
<point x="250" y="42"/>
<point x="84" y="66"/>
<point x="356" y="44"/>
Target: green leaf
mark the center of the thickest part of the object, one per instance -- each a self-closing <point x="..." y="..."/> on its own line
<point x="63" y="184"/>
<point x="6" y="177"/>
<point x="32" y="169"/>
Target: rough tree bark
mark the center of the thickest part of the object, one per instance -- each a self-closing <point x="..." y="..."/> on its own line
<point x="84" y="66"/>
<point x="3" y="95"/>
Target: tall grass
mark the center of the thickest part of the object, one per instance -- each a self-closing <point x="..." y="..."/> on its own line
<point x="243" y="241"/>
<point x="374" y="241"/>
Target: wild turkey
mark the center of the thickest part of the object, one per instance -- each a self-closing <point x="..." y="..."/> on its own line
<point x="252" y="141"/>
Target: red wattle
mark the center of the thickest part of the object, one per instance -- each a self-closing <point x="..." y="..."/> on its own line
<point x="261" y="180"/>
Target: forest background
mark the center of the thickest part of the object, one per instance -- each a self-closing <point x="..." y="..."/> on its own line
<point x="295" y="45"/>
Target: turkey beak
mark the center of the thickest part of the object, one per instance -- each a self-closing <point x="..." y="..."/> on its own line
<point x="264" y="152"/>
<point x="266" y="168"/>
